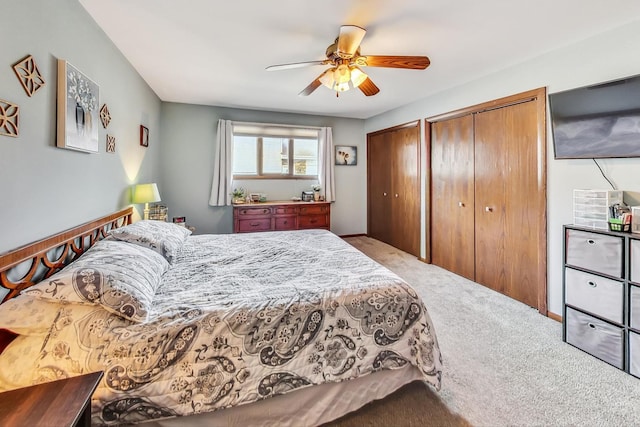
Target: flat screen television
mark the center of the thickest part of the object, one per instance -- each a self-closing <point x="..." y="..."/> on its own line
<point x="599" y="121"/>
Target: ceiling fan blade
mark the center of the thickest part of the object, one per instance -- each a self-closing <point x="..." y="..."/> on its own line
<point x="296" y="65"/>
<point x="312" y="86"/>
<point x="368" y="87"/>
<point x="411" y="62"/>
<point x="349" y="40"/>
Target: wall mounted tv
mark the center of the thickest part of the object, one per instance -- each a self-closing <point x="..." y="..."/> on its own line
<point x="599" y="121"/>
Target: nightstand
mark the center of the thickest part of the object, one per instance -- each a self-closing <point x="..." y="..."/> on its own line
<point x="58" y="403"/>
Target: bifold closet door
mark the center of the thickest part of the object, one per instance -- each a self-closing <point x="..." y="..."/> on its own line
<point x="452" y="197"/>
<point x="379" y="187"/>
<point x="393" y="187"/>
<point x="508" y="209"/>
<point x="405" y="189"/>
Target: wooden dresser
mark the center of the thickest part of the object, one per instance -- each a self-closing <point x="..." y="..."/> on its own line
<point x="272" y="216"/>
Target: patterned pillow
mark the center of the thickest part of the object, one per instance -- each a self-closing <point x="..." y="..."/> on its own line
<point x="122" y="278"/>
<point x="166" y="238"/>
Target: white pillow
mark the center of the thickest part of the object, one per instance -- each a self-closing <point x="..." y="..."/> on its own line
<point x="166" y="238"/>
<point x="120" y="277"/>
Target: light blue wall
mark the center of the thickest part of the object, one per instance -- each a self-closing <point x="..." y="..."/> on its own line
<point x="44" y="189"/>
<point x="606" y="57"/>
<point x="188" y="141"/>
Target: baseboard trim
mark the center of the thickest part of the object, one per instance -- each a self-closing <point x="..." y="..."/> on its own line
<point x="352" y="235"/>
<point x="554" y="316"/>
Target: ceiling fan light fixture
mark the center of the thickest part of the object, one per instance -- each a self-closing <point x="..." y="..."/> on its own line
<point x="357" y="76"/>
<point x="327" y="78"/>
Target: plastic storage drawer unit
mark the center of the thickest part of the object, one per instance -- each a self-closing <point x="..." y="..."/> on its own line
<point x="595" y="294"/>
<point x="596" y="337"/>
<point x="597" y="252"/>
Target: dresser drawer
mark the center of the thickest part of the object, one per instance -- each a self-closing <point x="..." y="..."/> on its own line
<point x="285" y="223"/>
<point x="595" y="294"/>
<point x="285" y="210"/>
<point x="634" y="260"/>
<point x="313" y="221"/>
<point x="252" y="212"/>
<point x="313" y="210"/>
<point x="596" y="252"/>
<point x="634" y="354"/>
<point x="254" y="224"/>
<point x="596" y="337"/>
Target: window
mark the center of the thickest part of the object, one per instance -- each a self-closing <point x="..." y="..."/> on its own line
<point x="261" y="151"/>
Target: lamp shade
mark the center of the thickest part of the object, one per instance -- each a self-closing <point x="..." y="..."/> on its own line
<point x="145" y="193"/>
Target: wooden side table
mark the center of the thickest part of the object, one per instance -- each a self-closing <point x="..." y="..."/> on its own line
<point x="58" y="403"/>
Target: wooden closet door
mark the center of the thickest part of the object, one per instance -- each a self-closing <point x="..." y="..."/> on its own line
<point x="452" y="195"/>
<point x="405" y="189"/>
<point x="379" y="187"/>
<point x="508" y="208"/>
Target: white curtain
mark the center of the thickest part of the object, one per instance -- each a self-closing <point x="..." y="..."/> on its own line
<point x="326" y="175"/>
<point x="223" y="165"/>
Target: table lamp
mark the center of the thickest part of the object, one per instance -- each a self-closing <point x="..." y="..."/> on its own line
<point x="145" y="193"/>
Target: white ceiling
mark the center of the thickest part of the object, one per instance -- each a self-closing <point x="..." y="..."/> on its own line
<point x="214" y="52"/>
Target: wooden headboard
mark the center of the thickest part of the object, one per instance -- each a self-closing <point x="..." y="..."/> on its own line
<point x="41" y="259"/>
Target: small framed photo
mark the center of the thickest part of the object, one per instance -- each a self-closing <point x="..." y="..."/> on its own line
<point x="346" y="155"/>
<point x="144" y="136"/>
<point x="307" y="196"/>
<point x="180" y="220"/>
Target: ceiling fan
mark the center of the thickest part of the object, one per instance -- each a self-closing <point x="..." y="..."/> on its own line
<point x="345" y="60"/>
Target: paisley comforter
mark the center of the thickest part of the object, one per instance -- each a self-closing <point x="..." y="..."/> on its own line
<point x="240" y="318"/>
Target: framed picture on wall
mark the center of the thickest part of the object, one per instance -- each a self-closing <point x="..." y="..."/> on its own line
<point x="346" y="155"/>
<point x="144" y="136"/>
<point x="78" y="115"/>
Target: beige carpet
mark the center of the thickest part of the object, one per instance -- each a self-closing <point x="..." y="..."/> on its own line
<point x="414" y="405"/>
<point x="504" y="364"/>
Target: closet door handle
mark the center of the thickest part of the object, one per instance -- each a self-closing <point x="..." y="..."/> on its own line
<point x="384" y="194"/>
<point x="488" y="209"/>
<point x="396" y="194"/>
<point x="460" y="204"/>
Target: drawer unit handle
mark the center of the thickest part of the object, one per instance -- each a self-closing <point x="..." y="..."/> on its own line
<point x="591" y="325"/>
<point x="593" y="284"/>
<point x="286" y="222"/>
<point x="591" y="241"/>
<point x="313" y="221"/>
<point x="254" y="224"/>
<point x="265" y="210"/>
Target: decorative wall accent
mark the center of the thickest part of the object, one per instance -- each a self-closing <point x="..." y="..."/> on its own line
<point x="105" y="116"/>
<point x="144" y="136"/>
<point x="29" y="75"/>
<point x="111" y="144"/>
<point x="346" y="155"/>
<point x="8" y="118"/>
<point x="78" y="100"/>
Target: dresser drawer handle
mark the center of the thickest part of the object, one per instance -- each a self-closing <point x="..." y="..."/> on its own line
<point x="265" y="210"/>
<point x="254" y="224"/>
<point x="591" y="242"/>
<point x="286" y="222"/>
<point x="593" y="284"/>
<point x="313" y="221"/>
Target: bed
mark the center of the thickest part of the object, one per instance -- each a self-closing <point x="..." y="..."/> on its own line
<point x="278" y="328"/>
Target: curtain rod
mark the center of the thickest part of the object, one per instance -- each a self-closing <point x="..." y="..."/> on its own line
<point x="275" y="124"/>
